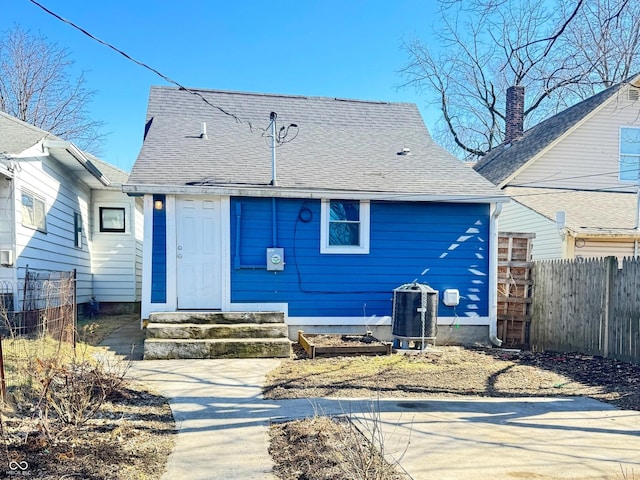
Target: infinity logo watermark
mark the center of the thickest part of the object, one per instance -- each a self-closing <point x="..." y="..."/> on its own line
<point x="18" y="468"/>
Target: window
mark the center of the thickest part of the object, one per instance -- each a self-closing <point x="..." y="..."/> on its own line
<point x="77" y="229"/>
<point x="112" y="220"/>
<point x="629" y="154"/>
<point x="33" y="212"/>
<point x="345" y="226"/>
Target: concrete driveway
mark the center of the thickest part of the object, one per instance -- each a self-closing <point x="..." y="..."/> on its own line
<point x="223" y="428"/>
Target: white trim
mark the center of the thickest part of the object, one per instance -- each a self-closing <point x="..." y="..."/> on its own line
<point x="495" y="211"/>
<point x="365" y="229"/>
<point x="259" y="307"/>
<point x="380" y="321"/>
<point x="172" y="261"/>
<point x="279" y="192"/>
<point x="147" y="250"/>
<point x="225" y="252"/>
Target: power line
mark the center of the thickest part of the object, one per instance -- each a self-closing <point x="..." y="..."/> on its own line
<point x="282" y="134"/>
<point x="142" y="64"/>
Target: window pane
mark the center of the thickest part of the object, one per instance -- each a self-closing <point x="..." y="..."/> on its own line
<point x="27" y="210"/>
<point x="630" y="141"/>
<point x="111" y="219"/>
<point x="345" y="210"/>
<point x="629" y="167"/>
<point x="38" y="213"/>
<point x="33" y="212"/>
<point x="344" y="234"/>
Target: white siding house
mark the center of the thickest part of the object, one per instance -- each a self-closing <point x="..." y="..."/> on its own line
<point x="54" y="202"/>
<point x="574" y="177"/>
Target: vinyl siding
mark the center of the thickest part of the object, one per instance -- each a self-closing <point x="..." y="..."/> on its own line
<point x="547" y="245"/>
<point x="54" y="250"/>
<point x="114" y="254"/>
<point x="6" y="225"/>
<point x="592" y="248"/>
<point x="587" y="158"/>
<point x="442" y="245"/>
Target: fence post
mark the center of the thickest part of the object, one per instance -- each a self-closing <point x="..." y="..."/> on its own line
<point x="611" y="267"/>
<point x="3" y="384"/>
<point x="75" y="310"/>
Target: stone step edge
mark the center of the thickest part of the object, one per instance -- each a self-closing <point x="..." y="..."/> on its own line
<point x="216" y="317"/>
<point x="219" y="340"/>
<point x="215" y="325"/>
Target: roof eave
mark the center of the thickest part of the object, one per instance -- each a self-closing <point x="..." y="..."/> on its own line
<point x="71" y="149"/>
<point x="280" y="192"/>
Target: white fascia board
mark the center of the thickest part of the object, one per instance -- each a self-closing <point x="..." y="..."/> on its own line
<point x="307" y="193"/>
<point x="76" y="153"/>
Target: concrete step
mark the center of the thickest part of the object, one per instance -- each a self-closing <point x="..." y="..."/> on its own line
<point x="203" y="331"/>
<point x="216" y="317"/>
<point x="164" y="349"/>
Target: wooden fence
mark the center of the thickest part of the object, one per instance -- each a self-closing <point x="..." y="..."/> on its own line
<point x="590" y="306"/>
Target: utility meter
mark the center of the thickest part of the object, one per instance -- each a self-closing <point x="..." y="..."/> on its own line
<point x="275" y="259"/>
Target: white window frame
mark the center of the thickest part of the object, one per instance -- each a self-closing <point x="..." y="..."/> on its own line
<point x="620" y="154"/>
<point x="362" y="248"/>
<point x="34" y="199"/>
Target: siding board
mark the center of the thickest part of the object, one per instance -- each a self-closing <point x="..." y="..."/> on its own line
<point x="442" y="245"/>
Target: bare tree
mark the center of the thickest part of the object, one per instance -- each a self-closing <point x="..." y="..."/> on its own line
<point x="36" y="86"/>
<point x="560" y="55"/>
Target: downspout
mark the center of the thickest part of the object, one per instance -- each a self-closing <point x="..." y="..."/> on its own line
<point x="493" y="276"/>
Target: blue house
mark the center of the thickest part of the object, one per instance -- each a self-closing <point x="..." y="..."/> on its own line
<point x="314" y="207"/>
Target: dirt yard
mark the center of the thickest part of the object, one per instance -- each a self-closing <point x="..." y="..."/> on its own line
<point x="68" y="417"/>
<point x="439" y="372"/>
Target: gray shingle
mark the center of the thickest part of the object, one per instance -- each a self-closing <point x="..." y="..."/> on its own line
<point x="587" y="212"/>
<point x="16" y="136"/>
<point x="342" y="145"/>
<point x="497" y="165"/>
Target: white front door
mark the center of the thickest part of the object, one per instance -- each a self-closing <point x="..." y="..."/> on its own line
<point x="198" y="251"/>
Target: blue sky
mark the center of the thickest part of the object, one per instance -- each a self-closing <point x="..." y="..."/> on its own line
<point x="336" y="48"/>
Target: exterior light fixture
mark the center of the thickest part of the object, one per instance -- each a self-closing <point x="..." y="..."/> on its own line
<point x="158" y="204"/>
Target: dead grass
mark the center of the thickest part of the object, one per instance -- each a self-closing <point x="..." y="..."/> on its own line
<point x="302" y="449"/>
<point x="72" y="414"/>
<point x="456" y="371"/>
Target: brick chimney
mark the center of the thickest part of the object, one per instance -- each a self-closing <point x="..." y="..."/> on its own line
<point x="514" y="121"/>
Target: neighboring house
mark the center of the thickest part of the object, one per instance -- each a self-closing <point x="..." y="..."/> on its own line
<point x="354" y="201"/>
<point x="62" y="209"/>
<point x="574" y="177"/>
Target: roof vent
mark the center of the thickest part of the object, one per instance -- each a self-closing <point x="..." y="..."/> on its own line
<point x="405" y="151"/>
<point x="203" y="131"/>
<point x="633" y="94"/>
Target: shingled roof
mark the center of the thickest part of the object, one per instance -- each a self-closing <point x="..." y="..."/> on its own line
<point x="17" y="136"/>
<point x="501" y="162"/>
<point x="338" y="145"/>
<point x="592" y="213"/>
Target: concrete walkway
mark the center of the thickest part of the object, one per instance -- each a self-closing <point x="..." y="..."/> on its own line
<point x="223" y="420"/>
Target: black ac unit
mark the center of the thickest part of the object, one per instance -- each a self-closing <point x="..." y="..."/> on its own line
<point x="415" y="312"/>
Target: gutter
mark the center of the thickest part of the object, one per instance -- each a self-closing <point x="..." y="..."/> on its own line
<point x="305" y="193"/>
<point x="493" y="276"/>
<point x="76" y="153"/>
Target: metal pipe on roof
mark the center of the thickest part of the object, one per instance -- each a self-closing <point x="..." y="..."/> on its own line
<point x="273" y="117"/>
